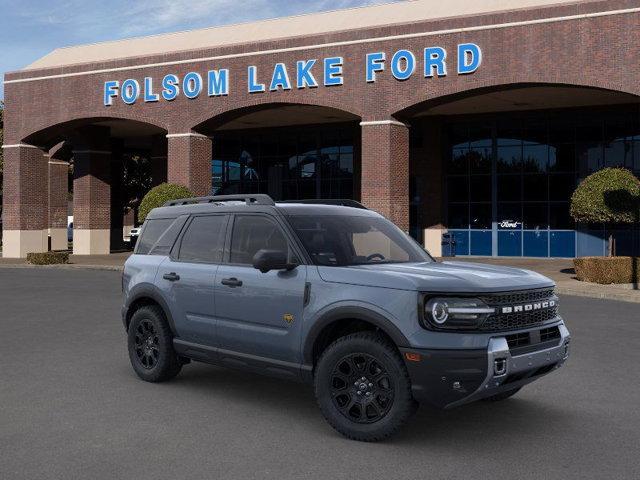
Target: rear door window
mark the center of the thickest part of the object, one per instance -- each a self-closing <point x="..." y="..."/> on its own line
<point x="203" y="241"/>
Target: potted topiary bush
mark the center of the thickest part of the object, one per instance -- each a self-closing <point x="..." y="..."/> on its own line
<point x="609" y="196"/>
<point x="159" y="195"/>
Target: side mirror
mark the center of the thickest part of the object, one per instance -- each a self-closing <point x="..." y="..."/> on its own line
<point x="266" y="260"/>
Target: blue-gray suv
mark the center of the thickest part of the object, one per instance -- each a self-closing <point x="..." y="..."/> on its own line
<point x="330" y="293"/>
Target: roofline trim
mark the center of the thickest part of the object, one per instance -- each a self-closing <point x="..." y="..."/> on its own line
<point x="331" y="44"/>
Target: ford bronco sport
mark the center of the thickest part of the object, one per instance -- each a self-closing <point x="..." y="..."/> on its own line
<point x="335" y="295"/>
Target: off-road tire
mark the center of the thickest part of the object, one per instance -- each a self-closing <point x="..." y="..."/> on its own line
<point x="374" y="353"/>
<point x="502" y="396"/>
<point x="155" y="361"/>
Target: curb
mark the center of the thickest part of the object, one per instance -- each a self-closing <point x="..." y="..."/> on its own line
<point x="617" y="296"/>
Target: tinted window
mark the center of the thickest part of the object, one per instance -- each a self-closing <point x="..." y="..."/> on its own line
<point x="253" y="233"/>
<point x="204" y="239"/>
<point x="151" y="233"/>
<point x="168" y="238"/>
<point x="342" y="240"/>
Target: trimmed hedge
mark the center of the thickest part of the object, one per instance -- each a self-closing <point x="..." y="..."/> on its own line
<point x="607" y="270"/>
<point x="611" y="195"/>
<point x="158" y="196"/>
<point x="48" y="258"/>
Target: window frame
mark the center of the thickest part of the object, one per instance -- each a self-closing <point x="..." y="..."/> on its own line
<point x="175" y="251"/>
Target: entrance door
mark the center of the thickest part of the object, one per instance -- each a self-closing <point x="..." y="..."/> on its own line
<point x="259" y="314"/>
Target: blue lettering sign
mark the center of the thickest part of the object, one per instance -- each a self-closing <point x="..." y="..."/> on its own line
<point x="218" y="81"/>
<point x="375" y="63"/>
<point x="280" y="78"/>
<point x="149" y="96"/>
<point x="304" y="77"/>
<point x="333" y="71"/>
<point x="254" y="87"/>
<point x="434" y="58"/>
<point x="403" y="64"/>
<point x="110" y="92"/>
<point x="469" y="58"/>
<point x="170" y="87"/>
<point x="192" y="85"/>
<point x="130" y="91"/>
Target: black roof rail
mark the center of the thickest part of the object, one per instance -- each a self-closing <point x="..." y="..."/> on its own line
<point x="256" y="199"/>
<point x="344" y="202"/>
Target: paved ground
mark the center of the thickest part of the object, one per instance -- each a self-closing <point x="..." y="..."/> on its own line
<point x="71" y="408"/>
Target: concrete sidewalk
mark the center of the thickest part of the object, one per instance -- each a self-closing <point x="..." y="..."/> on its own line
<point x="114" y="261"/>
<point x="560" y="270"/>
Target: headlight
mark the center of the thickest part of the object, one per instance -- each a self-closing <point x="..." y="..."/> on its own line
<point x="456" y="313"/>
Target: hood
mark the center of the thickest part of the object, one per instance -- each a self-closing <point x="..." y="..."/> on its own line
<point x="437" y="277"/>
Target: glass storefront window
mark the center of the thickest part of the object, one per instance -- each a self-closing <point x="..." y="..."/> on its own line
<point x="291" y="163"/>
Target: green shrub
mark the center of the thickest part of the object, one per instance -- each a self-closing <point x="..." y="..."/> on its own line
<point x="48" y="258"/>
<point x="158" y="196"/>
<point x="607" y="270"/>
<point x="611" y="195"/>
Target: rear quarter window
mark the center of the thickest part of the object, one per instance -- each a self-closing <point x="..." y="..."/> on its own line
<point x="152" y="230"/>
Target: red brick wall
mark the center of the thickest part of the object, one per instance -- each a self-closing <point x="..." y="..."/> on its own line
<point x="385" y="171"/>
<point x="189" y="163"/>
<point x="58" y="191"/>
<point x="25" y="187"/>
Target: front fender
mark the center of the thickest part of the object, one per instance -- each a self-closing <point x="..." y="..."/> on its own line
<point x="365" y="313"/>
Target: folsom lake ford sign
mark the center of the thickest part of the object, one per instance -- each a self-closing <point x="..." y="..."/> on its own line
<point x="308" y="73"/>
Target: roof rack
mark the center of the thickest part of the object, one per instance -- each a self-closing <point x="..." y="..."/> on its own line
<point x="339" y="202"/>
<point x="257" y="199"/>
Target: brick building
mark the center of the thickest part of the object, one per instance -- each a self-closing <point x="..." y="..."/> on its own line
<point x="473" y="117"/>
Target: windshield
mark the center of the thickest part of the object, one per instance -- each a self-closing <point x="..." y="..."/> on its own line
<point x="340" y="241"/>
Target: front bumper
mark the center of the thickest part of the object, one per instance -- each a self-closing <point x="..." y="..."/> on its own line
<point x="449" y="378"/>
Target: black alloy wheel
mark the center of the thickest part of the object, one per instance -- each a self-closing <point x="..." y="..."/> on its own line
<point x="361" y="388"/>
<point x="150" y="345"/>
<point x="146" y="344"/>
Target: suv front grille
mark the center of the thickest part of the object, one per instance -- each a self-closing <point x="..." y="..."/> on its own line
<point x="514" y="320"/>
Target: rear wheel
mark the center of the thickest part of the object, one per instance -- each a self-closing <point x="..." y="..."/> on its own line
<point x="502" y="396"/>
<point x="363" y="388"/>
<point x="150" y="345"/>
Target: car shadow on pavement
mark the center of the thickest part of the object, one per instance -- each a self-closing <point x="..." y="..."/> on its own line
<point x="478" y="425"/>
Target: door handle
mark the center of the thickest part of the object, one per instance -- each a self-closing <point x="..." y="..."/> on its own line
<point x="231" y="282"/>
<point x="172" y="277"/>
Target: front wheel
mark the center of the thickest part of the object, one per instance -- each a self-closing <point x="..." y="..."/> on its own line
<point x="363" y="388"/>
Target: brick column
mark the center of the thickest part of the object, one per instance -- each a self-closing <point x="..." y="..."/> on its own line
<point x="385" y="170"/>
<point x="58" y="191"/>
<point x="25" y="210"/>
<point x="158" y="160"/>
<point x="189" y="161"/>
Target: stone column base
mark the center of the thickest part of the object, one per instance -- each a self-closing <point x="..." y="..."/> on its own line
<point x="91" y="242"/>
<point x="433" y="240"/>
<point x="17" y="243"/>
<point x="58" y="238"/>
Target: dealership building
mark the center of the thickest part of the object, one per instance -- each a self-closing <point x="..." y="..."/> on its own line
<point x="476" y="118"/>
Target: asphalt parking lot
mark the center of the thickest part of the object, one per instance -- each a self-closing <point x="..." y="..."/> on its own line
<point x="71" y="407"/>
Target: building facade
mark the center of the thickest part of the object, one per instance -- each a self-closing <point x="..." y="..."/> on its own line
<point x="443" y="116"/>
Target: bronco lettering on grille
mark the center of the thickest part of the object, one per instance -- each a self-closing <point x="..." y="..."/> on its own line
<point x="529" y="307"/>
